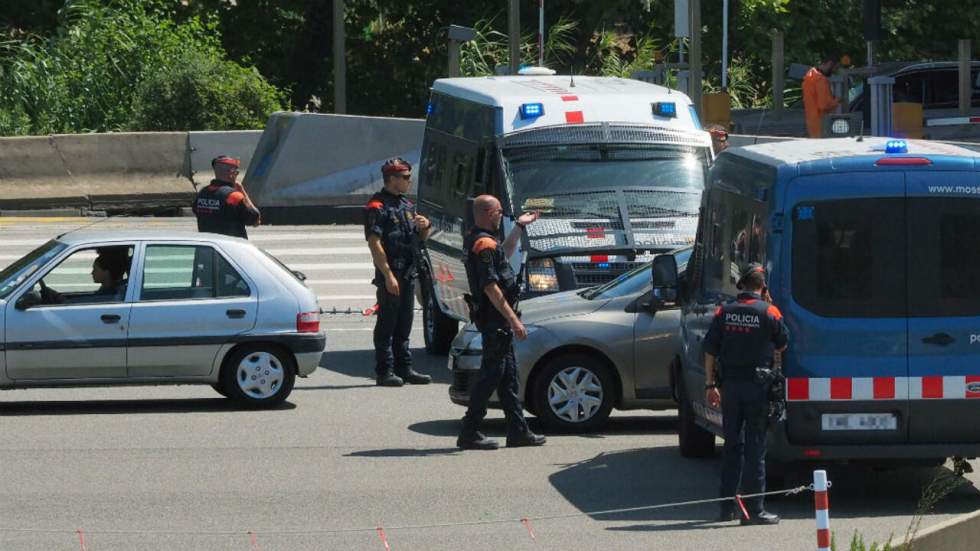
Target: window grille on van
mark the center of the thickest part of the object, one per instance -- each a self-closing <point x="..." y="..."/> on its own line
<point x="605" y="132"/>
<point x="588" y="274"/>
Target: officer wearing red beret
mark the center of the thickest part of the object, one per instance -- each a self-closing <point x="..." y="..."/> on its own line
<point x="224" y="206"/>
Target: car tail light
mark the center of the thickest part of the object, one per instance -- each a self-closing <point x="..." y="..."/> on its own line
<point x="903" y="161"/>
<point x="812" y="452"/>
<point x="308" y="322"/>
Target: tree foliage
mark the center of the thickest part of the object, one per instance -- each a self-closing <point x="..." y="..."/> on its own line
<point x="82" y="64"/>
<point x="89" y="73"/>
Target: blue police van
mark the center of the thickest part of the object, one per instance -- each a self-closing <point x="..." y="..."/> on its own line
<point x="872" y="250"/>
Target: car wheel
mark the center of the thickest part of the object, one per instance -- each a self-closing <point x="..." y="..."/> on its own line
<point x="693" y="440"/>
<point x="438" y="329"/>
<point x="258" y="375"/>
<point x="574" y="393"/>
<point x="220" y="389"/>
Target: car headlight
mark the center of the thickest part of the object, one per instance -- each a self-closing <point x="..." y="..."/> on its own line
<point x="541" y="276"/>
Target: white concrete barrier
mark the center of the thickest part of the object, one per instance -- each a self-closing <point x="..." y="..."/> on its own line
<point x="309" y="159"/>
<point x="115" y="171"/>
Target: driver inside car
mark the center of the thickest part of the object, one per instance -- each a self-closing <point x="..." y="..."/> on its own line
<point x="109" y="270"/>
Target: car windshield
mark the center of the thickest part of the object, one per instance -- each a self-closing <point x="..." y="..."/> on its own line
<point x="12" y="276"/>
<point x="635" y="281"/>
<point x="608" y="196"/>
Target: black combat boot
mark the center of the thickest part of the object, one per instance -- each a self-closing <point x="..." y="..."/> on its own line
<point x="526" y="438"/>
<point x="475" y="441"/>
<point x="412" y="377"/>
<point x="762" y="517"/>
<point x="388" y="378"/>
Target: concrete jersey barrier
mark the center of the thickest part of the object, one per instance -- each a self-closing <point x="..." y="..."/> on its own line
<point x="309" y="159"/>
<point x="116" y="171"/>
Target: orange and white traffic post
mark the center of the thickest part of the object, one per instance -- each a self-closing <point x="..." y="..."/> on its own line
<point x="822" y="506"/>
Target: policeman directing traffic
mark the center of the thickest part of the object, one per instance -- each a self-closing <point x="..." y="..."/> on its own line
<point x="224" y="206"/>
<point x="743" y="336"/>
<point x="390" y="225"/>
<point x="493" y="299"/>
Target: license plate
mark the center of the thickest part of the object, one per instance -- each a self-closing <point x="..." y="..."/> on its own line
<point x="859" y="421"/>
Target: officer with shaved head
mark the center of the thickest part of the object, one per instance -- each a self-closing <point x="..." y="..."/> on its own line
<point x="493" y="295"/>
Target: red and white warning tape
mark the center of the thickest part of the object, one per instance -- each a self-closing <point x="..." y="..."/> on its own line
<point x="933" y="387"/>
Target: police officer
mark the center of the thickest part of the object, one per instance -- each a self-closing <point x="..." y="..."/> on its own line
<point x="390" y="223"/>
<point x="493" y="295"/>
<point x="743" y="336"/>
<point x="224" y="206"/>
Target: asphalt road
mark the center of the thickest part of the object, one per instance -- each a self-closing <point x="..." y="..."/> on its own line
<point x="179" y="468"/>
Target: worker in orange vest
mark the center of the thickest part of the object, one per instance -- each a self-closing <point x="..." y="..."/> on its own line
<point x="817" y="99"/>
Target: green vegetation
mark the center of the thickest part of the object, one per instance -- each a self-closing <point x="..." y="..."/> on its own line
<point x="97" y="65"/>
<point x="126" y="64"/>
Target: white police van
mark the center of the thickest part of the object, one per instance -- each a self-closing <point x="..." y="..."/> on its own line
<point x="615" y="167"/>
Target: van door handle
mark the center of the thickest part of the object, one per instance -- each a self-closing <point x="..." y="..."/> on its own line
<point x="110" y="318"/>
<point x="941" y="339"/>
<point x="235" y="313"/>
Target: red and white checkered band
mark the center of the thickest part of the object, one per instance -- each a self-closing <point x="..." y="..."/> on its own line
<point x="832" y="389"/>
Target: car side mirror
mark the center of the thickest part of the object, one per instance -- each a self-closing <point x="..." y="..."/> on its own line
<point x="28" y="300"/>
<point x="664" y="272"/>
<point x="664" y="279"/>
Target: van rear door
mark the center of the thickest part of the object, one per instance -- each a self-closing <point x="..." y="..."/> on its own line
<point x="944" y="306"/>
<point x="847" y="361"/>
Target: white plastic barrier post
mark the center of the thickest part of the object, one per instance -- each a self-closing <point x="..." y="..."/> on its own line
<point x="822" y="506"/>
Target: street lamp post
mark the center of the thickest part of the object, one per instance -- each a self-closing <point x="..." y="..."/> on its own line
<point x="457" y="35"/>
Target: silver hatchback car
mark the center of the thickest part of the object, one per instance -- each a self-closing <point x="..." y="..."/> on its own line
<point x="157" y="308"/>
<point x="587" y="352"/>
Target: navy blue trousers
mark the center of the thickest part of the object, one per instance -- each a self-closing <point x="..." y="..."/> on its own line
<point x="745" y="411"/>
<point x="498" y="371"/>
<point x="393" y="327"/>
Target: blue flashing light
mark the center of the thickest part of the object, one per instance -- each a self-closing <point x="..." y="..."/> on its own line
<point x="429" y="108"/>
<point x="805" y="213"/>
<point x="531" y="110"/>
<point x="603" y="265"/>
<point x="665" y="109"/>
<point x="896" y="146"/>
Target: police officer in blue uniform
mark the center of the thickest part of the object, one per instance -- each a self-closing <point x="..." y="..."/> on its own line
<point x="742" y="337"/>
<point x="493" y="298"/>
<point x="223" y="206"/>
<point x="390" y="224"/>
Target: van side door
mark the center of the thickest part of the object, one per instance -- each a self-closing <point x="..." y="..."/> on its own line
<point x="944" y="306"/>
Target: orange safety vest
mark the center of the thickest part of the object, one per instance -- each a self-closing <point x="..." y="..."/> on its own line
<point x="817" y="101"/>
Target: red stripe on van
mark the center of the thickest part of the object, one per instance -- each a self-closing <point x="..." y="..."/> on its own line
<point x="884" y="388"/>
<point x="797" y="388"/>
<point x="972" y="393"/>
<point x="574" y="117"/>
<point x="840" y="388"/>
<point x="569" y="98"/>
<point x="932" y="387"/>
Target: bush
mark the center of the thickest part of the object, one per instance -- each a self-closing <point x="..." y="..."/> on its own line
<point x="88" y="76"/>
<point x="202" y="92"/>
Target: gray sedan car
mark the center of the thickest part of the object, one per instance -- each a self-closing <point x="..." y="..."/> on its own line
<point x="587" y="352"/>
<point x="157" y="308"/>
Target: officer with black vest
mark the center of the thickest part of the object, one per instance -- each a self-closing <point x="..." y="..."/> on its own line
<point x="743" y="336"/>
<point x="493" y="297"/>
<point x="224" y="206"/>
<point x="390" y="223"/>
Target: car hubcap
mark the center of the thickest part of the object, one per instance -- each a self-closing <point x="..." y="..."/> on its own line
<point x="575" y="395"/>
<point x="260" y="375"/>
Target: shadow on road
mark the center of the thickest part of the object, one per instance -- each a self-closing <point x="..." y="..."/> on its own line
<point x="652" y="476"/>
<point x="360" y="363"/>
<point x="102" y="407"/>
<point x="404" y="452"/>
<point x="496" y="426"/>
